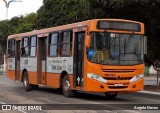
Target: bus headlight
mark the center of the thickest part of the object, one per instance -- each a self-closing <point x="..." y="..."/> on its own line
<point x="96" y="77"/>
<point x="138" y="77"/>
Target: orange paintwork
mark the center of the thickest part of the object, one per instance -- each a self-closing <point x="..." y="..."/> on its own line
<point x="90" y="23"/>
<point x="43" y="78"/>
<point x="32" y="77"/>
<point x="10" y="74"/>
<point x="21" y="76"/>
<point x="95" y="86"/>
<point x="53" y="80"/>
<point x="71" y="81"/>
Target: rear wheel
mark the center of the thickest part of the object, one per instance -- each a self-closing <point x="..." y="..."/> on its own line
<point x="26" y="84"/>
<point x="111" y="95"/>
<point x="66" y="87"/>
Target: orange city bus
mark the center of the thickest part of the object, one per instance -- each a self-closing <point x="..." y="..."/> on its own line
<point x="99" y="55"/>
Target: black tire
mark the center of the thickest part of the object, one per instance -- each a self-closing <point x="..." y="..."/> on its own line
<point x="66" y="87"/>
<point x="26" y="84"/>
<point x="111" y="95"/>
<point x="35" y="87"/>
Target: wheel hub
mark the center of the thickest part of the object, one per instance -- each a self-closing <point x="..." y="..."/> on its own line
<point x="66" y="85"/>
<point x="25" y="82"/>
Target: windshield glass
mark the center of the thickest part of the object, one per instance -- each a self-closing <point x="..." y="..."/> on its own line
<point x="116" y="49"/>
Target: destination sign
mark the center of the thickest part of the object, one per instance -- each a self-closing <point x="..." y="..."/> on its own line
<point x="118" y="25"/>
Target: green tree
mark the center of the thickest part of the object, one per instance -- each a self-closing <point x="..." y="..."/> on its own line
<point x="59" y="12"/>
<point x="4" y="32"/>
<point x="26" y="23"/>
<point x="15" y="25"/>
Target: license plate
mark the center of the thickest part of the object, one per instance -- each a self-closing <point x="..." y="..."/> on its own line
<point x="118" y="84"/>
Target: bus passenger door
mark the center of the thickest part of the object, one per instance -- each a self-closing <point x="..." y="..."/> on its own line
<point x="41" y="60"/>
<point x="17" y="61"/>
<point x="78" y="59"/>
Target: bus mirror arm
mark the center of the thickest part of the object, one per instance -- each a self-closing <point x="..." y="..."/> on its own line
<point x="86" y="50"/>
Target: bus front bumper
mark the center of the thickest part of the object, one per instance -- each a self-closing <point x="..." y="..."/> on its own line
<point x="114" y="86"/>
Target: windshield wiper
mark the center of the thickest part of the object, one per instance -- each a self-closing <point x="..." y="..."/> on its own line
<point x="127" y="42"/>
<point x="129" y="39"/>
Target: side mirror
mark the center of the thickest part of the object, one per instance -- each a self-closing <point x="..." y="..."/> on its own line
<point x="90" y="53"/>
<point x="87" y="41"/>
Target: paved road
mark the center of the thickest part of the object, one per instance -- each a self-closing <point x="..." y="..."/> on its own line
<point x="150" y="82"/>
<point x="12" y="92"/>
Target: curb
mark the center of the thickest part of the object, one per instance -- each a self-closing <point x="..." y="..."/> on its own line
<point x="149" y="92"/>
<point x="152" y="79"/>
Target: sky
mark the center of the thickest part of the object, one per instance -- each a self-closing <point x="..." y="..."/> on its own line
<point x="19" y="8"/>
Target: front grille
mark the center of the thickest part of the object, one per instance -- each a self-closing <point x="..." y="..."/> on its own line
<point x="115" y="78"/>
<point x="118" y="70"/>
<point x="117" y="87"/>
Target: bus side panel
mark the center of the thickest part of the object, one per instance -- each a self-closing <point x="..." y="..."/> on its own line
<point x="11" y="74"/>
<point x="53" y="80"/>
<point x="32" y="77"/>
<point x="30" y="65"/>
<point x="11" y="68"/>
<point x="71" y="81"/>
<point x="57" y="65"/>
<point x="21" y="73"/>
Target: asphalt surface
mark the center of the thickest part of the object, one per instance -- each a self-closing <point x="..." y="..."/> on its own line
<point x="52" y="101"/>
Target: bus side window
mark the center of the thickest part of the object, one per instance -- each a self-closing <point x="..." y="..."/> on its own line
<point x="25" y="48"/>
<point x="66" y="44"/>
<point x="11" y="46"/>
<point x="33" y="43"/>
<point x="53" y="44"/>
<point x="22" y="51"/>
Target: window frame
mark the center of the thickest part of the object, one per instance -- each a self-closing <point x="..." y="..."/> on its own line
<point x="11" y="48"/>
<point x="26" y="46"/>
<point x="30" y="45"/>
<point x="64" y="43"/>
<point x="50" y="44"/>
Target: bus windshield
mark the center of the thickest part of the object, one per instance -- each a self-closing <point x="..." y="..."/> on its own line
<point x="115" y="48"/>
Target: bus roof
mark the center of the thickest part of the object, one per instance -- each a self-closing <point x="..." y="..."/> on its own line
<point x="64" y="27"/>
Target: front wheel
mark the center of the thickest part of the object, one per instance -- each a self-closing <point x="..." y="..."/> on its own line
<point x="66" y="87"/>
<point x="111" y="95"/>
<point x="35" y="87"/>
<point x="26" y="84"/>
